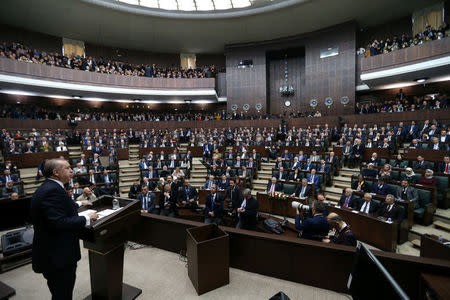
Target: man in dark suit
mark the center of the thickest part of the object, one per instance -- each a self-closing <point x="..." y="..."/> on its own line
<point x="280" y="174"/>
<point x="347" y="199"/>
<point x="273" y="186"/>
<point x="148" y="201"/>
<point x="406" y="192"/>
<point x="188" y="194"/>
<point x="247" y="211"/>
<point x="214" y="206"/>
<point x="57" y="226"/>
<point x="234" y="194"/>
<point x="444" y="167"/>
<point x="167" y="202"/>
<point x="344" y="235"/>
<point x="420" y="164"/>
<point x="390" y="210"/>
<point x="303" y="191"/>
<point x="357" y="153"/>
<point x="7" y="176"/>
<point x="315" y="228"/>
<point x="367" y="205"/>
<point x="380" y="187"/>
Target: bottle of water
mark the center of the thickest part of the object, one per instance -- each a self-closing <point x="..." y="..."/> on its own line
<point x="115" y="204"/>
<point x="440" y="238"/>
<point x="389" y="220"/>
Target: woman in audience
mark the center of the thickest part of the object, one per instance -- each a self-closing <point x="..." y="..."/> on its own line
<point x="185" y="163"/>
<point x="400" y="162"/>
<point x="360" y="185"/>
<point x="428" y="179"/>
<point x="409" y="176"/>
<point x="386" y="171"/>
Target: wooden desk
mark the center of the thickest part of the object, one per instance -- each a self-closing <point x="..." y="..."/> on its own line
<point x="30" y="160"/>
<point x="432" y="248"/>
<point x="307" y="262"/>
<point x="275" y="206"/>
<point x="438" y="284"/>
<point x="370" y="229"/>
<point x="407" y="205"/>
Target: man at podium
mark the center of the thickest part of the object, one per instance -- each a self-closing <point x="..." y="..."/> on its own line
<point x="57" y="226"/>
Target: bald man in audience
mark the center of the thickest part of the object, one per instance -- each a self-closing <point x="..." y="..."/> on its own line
<point x="87" y="195"/>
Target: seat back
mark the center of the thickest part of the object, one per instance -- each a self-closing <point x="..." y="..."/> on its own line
<point x="424" y="197"/>
<point x="288" y="189"/>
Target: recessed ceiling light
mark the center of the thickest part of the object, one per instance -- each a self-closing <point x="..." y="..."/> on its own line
<point x="76" y="97"/>
<point x="420" y="80"/>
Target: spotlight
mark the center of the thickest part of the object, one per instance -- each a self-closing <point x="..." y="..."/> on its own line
<point x="420" y="80"/>
<point x="76" y="97"/>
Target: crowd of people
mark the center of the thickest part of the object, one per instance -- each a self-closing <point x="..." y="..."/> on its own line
<point x="402" y="103"/>
<point x="23" y="53"/>
<point x="404" y="41"/>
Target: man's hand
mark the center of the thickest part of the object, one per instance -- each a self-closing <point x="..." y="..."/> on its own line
<point x="191" y="200"/>
<point x="326" y="240"/>
<point x="144" y="211"/>
<point x="211" y="213"/>
<point x="86" y="202"/>
<point x="92" y="216"/>
<point x="184" y="202"/>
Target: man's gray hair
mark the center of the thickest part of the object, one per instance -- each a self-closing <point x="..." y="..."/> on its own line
<point x="247" y="192"/>
<point x="390" y="196"/>
<point x="52" y="164"/>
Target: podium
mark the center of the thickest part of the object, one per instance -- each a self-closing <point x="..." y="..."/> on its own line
<point x="208" y="257"/>
<point x="105" y="240"/>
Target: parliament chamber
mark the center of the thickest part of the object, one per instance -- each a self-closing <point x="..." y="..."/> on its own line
<point x="225" y="149"/>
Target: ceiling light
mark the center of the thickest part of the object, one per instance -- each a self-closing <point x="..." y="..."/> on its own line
<point x="17" y="92"/>
<point x="420" y="80"/>
<point x="76" y="97"/>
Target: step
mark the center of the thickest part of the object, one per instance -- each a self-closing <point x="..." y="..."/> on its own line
<point x="129" y="179"/>
<point x="416" y="243"/>
<point x="332" y="197"/>
<point x="133" y="162"/>
<point x="32" y="185"/>
<point x="442" y="225"/>
<point x="198" y="175"/>
<point x="129" y="170"/>
<point x="78" y="153"/>
<point x="133" y="156"/>
<point x="334" y="190"/>
<point x="260" y="181"/>
<point x="134" y="146"/>
<point x="342" y="184"/>
<point x="75" y="148"/>
<point x="265" y="172"/>
<point x="342" y="178"/>
<point x="30" y="192"/>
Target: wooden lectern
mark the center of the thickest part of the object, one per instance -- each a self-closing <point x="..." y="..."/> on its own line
<point x="105" y="240"/>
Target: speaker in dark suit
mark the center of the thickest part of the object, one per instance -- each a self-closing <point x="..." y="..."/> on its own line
<point x="234" y="193"/>
<point x="57" y="228"/>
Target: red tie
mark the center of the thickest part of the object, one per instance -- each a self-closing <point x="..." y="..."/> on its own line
<point x="272" y="188"/>
<point x="446" y="169"/>
<point x="346" y="201"/>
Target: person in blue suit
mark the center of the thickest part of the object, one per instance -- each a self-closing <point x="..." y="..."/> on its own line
<point x="380" y="187"/>
<point x="148" y="201"/>
<point x="315" y="228"/>
<point x="313" y="178"/>
<point x="57" y="227"/>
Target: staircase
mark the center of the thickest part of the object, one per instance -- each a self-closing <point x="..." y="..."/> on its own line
<point x="334" y="192"/>
<point x="129" y="170"/>
<point x="264" y="175"/>
<point x="183" y="148"/>
<point x="74" y="151"/>
<point x="198" y="173"/>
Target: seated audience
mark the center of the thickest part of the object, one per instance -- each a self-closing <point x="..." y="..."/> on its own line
<point x="390" y="210"/>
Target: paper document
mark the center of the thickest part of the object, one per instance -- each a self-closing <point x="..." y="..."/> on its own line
<point x="107" y="212"/>
<point x="86" y="212"/>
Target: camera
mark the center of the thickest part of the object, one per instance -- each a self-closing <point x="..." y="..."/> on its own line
<point x="301" y="206"/>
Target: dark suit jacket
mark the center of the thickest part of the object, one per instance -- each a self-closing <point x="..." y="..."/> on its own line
<point x="172" y="201"/>
<point x="344" y="237"/>
<point x="151" y="202"/>
<point x="364" y="186"/>
<point x="57" y="228"/>
<point x="384" y="190"/>
<point x="248" y="218"/>
<point x="216" y="207"/>
<point x="315" y="228"/>
<point x="442" y="166"/>
<point x="373" y="209"/>
<point x="308" y="191"/>
<point x="417" y="166"/>
<point x="396" y="213"/>
<point x="277" y="187"/>
<point x="187" y="193"/>
<point x="235" y="196"/>
<point x="351" y="203"/>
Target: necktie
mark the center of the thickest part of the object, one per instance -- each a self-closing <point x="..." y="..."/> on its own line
<point x="272" y="188"/>
<point x="302" y="194"/>
<point x="389" y="208"/>
<point x="8" y="178"/>
<point x="363" y="208"/>
<point x="346" y="201"/>
<point x="446" y="168"/>
<point x="92" y="179"/>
